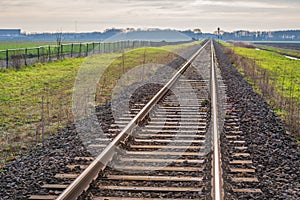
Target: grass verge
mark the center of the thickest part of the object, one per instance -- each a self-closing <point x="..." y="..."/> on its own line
<point x="275" y="77"/>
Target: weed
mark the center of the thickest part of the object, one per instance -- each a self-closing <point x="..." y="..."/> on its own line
<point x="205" y="102"/>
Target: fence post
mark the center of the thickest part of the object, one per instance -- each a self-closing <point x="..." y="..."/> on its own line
<point x="25" y="57"/>
<point x="49" y="53"/>
<point x="7" y="58"/>
<point x="93" y="47"/>
<point x="72" y="45"/>
<point x="87" y="49"/>
<point x="38" y="52"/>
<point x="80" y="49"/>
<point x="43" y="120"/>
<point x="61" y="51"/>
<point x="99" y="47"/>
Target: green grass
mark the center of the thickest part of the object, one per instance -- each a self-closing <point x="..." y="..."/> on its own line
<point x="18" y="48"/>
<point x="23" y="91"/>
<point x="275" y="77"/>
<point x="21" y="94"/>
<point x="287" y="71"/>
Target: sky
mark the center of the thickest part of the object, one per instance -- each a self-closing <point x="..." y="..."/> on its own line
<point x="98" y="15"/>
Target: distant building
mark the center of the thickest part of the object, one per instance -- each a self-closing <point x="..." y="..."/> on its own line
<point x="242" y="33"/>
<point x="10" y="32"/>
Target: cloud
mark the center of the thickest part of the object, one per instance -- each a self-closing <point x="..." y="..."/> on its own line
<point x="241" y="4"/>
<point x="15" y="3"/>
<point x="8" y="5"/>
<point x="37" y="15"/>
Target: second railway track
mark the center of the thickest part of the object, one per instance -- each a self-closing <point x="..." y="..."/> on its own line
<point x="167" y="148"/>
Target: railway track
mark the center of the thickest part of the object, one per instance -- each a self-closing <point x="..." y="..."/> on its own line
<point x="167" y="147"/>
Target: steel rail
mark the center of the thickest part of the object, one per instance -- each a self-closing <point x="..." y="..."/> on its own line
<point x="217" y="181"/>
<point x="82" y="183"/>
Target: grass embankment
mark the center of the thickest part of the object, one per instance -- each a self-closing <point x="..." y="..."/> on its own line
<point x="274" y="76"/>
<point x="40" y="96"/>
<point x="23" y="94"/>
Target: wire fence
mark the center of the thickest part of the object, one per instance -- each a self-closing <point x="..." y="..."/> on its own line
<point x="16" y="58"/>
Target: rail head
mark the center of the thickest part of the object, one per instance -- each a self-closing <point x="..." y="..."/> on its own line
<point x="82" y="182"/>
<point x="217" y="191"/>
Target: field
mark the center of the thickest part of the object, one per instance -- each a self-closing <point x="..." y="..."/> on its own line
<point x="36" y="100"/>
<point x="282" y="45"/>
<point x="275" y="77"/>
<point x="22" y="44"/>
<point x="291" y="49"/>
<point x="287" y="70"/>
